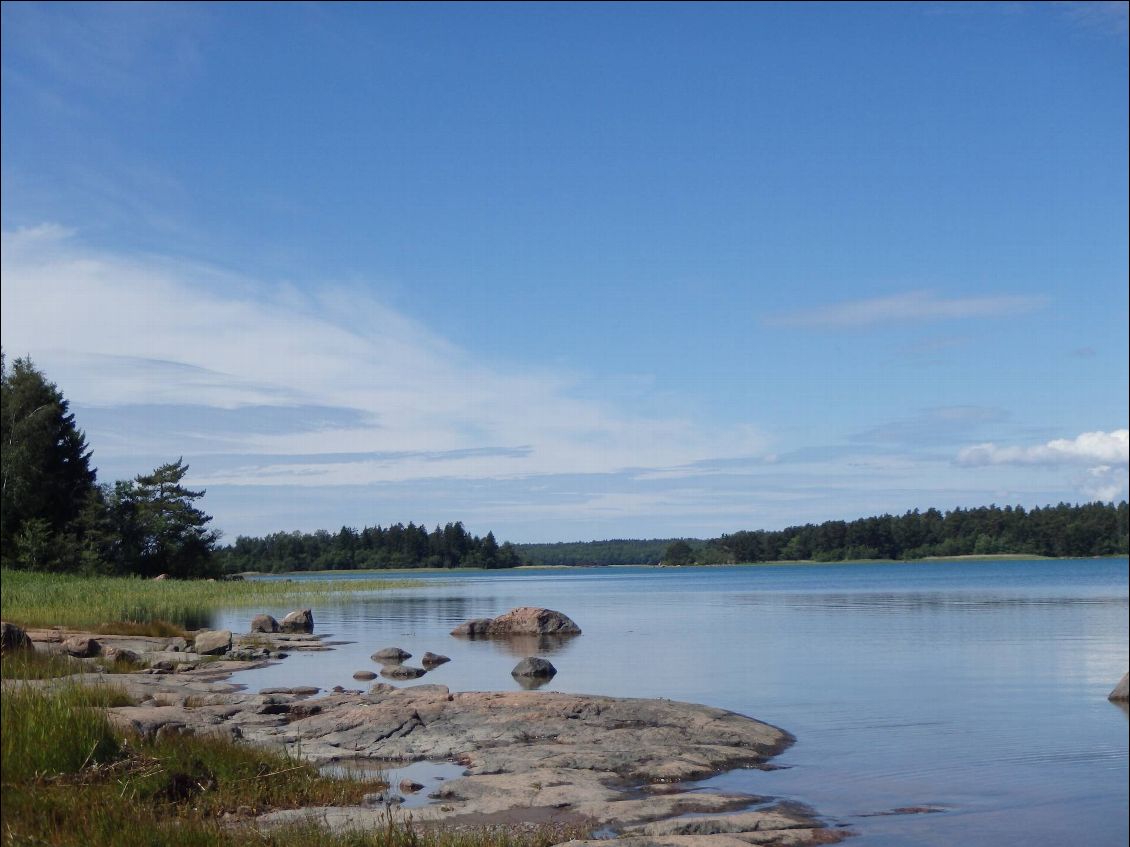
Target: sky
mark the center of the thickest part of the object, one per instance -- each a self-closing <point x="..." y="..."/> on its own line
<point x="568" y="271"/>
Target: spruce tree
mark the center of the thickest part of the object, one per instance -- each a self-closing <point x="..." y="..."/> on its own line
<point x="45" y="475"/>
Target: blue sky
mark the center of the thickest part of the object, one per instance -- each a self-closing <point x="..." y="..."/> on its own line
<point x="571" y="271"/>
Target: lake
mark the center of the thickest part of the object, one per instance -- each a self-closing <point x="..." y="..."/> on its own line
<point x="975" y="687"/>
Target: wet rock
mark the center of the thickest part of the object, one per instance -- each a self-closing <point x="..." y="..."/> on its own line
<point x="402" y="672"/>
<point x="81" y="647"/>
<point x="212" y="642"/>
<point x="392" y="655"/>
<point x="13" y="638"/>
<point x="409" y="786"/>
<point x="299" y="621"/>
<point x="364" y="675"/>
<point x="381" y="799"/>
<point x="532" y="666"/>
<point x="1122" y="690"/>
<point x="264" y="623"/>
<point x="433" y="660"/>
<point x="526" y="620"/>
<point x="473" y="628"/>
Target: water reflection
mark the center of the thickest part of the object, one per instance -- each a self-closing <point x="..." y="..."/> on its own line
<point x="525" y="645"/>
<point x="980" y="687"/>
<point x="532" y="683"/>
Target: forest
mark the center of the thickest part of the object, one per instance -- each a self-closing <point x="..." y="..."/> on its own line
<point x="396" y="546"/>
<point x="1063" y="531"/>
<point x="56" y="516"/>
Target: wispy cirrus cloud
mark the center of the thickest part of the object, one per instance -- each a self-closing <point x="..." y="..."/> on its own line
<point x="912" y="306"/>
<point x="164" y="351"/>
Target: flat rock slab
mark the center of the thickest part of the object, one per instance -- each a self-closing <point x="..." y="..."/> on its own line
<point x="529" y="756"/>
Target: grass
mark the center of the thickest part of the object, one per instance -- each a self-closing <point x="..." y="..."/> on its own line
<point x="160" y="607"/>
<point x="68" y="778"/>
<point x="47" y="733"/>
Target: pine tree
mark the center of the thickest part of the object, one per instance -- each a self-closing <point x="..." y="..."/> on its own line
<point x="158" y="527"/>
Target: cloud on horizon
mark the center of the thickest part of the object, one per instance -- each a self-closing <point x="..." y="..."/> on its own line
<point x="1103" y="456"/>
<point x="1110" y="448"/>
<point x="912" y="306"/>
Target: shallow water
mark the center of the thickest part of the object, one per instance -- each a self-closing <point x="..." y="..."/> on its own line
<point x="976" y="687"/>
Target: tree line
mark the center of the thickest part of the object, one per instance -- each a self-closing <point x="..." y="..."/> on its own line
<point x="1062" y="531"/>
<point x="616" y="551"/>
<point x="54" y="514"/>
<point x="396" y="546"/>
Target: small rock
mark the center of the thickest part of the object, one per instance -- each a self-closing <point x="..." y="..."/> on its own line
<point x="121" y="654"/>
<point x="81" y="647"/>
<point x="532" y="666"/>
<point x="409" y="786"/>
<point x="383" y="798"/>
<point x="264" y="623"/>
<point x="394" y="655"/>
<point x="176" y="645"/>
<point x="1122" y="690"/>
<point x="213" y="643"/>
<point x="300" y="621"/>
<point x="402" y="672"/>
<point x="433" y="660"/>
<point x="364" y="675"/>
<point x="277" y="655"/>
<point x="13" y="637"/>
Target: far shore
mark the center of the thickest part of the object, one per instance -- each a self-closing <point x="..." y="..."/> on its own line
<point x="927" y="560"/>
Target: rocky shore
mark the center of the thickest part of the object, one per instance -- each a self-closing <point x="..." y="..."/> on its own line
<point x="619" y="767"/>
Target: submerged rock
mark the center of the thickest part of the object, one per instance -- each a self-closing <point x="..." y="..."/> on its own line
<point x="393" y="655"/>
<point x="364" y="675"/>
<point x="532" y="666"/>
<point x="1122" y="690"/>
<point x="525" y="620"/>
<point x="402" y="672"/>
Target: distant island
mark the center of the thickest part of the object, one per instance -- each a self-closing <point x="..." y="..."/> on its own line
<point x="1063" y="531"/>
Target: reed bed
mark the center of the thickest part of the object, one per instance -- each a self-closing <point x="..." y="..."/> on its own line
<point x="42" y="599"/>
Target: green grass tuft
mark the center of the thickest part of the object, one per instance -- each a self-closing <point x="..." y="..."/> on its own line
<point x="48" y="733"/>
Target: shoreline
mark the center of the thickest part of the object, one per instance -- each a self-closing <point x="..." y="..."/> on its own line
<point x="928" y="560"/>
<point x="622" y="765"/>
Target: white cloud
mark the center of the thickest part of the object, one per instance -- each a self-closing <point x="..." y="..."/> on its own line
<point x="114" y="330"/>
<point x="1107" y="448"/>
<point x="911" y="306"/>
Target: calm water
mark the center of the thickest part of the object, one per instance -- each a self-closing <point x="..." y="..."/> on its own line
<point x="977" y="687"/>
